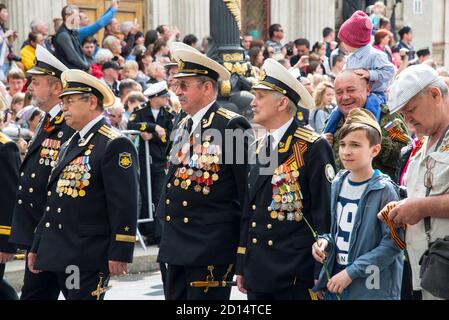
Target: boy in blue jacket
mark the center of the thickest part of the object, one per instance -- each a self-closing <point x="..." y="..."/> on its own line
<point x="360" y="259"/>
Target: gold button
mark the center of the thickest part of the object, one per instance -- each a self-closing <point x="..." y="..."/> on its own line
<point x="49" y="193"/>
<point x="31" y="190"/>
<point x="167" y="201"/>
<point x="186" y="220"/>
<point x="270" y="243"/>
<point x="20" y="201"/>
<point x="167" y="218"/>
<point x="20" y="188"/>
<point x="169" y="185"/>
<point x="270" y="226"/>
<point x="47" y="224"/>
<point x="184" y="203"/>
<point x="33" y="175"/>
<point x="253" y="224"/>
<point x="254" y="207"/>
<point x="254" y="240"/>
<point x="48" y="209"/>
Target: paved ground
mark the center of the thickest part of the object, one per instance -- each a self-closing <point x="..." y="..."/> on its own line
<point x="146" y="286"/>
<point x="143" y="283"/>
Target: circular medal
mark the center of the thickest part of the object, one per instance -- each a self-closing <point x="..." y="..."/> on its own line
<point x="86" y="176"/>
<point x="206" y="190"/>
<point x="183" y="185"/>
<point x="215" y="177"/>
<point x="295" y="174"/>
<point x="206" y="175"/>
<point x="281" y="216"/>
<point x="298" y="216"/>
<point x="86" y="183"/>
<point x="197" y="188"/>
<point x="277" y="198"/>
<point x="82" y="193"/>
<point x="41" y="161"/>
<point x="69" y="191"/>
<point x="274" y="215"/>
<point x="176" y="182"/>
<point x="206" y="144"/>
<point x="88" y="152"/>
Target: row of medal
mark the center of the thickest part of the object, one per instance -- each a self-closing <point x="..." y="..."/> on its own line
<point x="286" y="201"/>
<point x="49" y="152"/>
<point x="75" y="178"/>
<point x="202" y="167"/>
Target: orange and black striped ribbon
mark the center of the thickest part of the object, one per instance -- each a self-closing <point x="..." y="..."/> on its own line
<point x="394" y="235"/>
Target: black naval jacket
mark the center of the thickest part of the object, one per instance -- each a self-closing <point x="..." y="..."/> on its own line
<point x="273" y="253"/>
<point x="34" y="173"/>
<point x="91" y="209"/>
<point x="203" y="229"/>
<point x="9" y="173"/>
<point x="143" y="121"/>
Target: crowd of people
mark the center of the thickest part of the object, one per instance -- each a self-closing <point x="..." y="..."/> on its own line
<point x="332" y="208"/>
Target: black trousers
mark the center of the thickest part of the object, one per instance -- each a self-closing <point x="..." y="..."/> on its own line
<point x="40" y="286"/>
<point x="295" y="292"/>
<point x="6" y="291"/>
<point x="178" y="279"/>
<point x="92" y="285"/>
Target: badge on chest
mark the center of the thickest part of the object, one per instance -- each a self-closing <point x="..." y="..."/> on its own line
<point x="75" y="177"/>
<point x="286" y="203"/>
<point x="201" y="169"/>
<point x="49" y="152"/>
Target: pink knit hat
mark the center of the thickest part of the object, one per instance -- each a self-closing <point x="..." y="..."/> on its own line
<point x="356" y="31"/>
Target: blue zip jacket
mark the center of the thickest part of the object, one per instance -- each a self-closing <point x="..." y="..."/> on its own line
<point x="370" y="247"/>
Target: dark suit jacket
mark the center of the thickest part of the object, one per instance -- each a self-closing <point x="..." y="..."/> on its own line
<point x="9" y="173"/>
<point x="275" y="254"/>
<point x="203" y="229"/>
<point x="34" y="173"/>
<point x="143" y="121"/>
<point x="91" y="209"/>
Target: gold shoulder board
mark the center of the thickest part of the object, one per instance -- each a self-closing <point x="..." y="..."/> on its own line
<point x="228" y="114"/>
<point x="108" y="132"/>
<point x="4" y="139"/>
<point x="306" y="135"/>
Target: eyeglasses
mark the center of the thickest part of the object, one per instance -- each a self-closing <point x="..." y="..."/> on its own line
<point x="428" y="176"/>
<point x="184" y="86"/>
<point x="70" y="100"/>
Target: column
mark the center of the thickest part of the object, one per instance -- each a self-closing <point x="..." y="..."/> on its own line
<point x="303" y="18"/>
<point x="189" y="16"/>
<point x="22" y="12"/>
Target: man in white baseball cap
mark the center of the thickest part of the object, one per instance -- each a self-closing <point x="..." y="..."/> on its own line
<point x="423" y="98"/>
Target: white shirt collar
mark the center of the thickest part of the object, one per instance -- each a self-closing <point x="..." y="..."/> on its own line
<point x="155" y="112"/>
<point x="279" y="133"/>
<point x="54" y="111"/>
<point x="199" y="115"/>
<point x="89" y="126"/>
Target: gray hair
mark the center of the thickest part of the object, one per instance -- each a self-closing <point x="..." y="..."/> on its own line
<point x="37" y="22"/>
<point x="68" y="11"/>
<point x="126" y="26"/>
<point x="103" y="55"/>
<point x="291" y="107"/>
<point x="204" y="79"/>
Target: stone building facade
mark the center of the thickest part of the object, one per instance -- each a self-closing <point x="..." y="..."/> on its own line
<point x="299" y="18"/>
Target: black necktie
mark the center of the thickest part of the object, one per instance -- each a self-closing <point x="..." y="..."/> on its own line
<point x="189" y="125"/>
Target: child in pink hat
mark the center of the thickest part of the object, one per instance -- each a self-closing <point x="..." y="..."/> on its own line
<point x="366" y="61"/>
